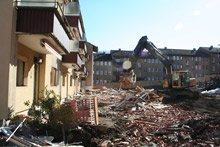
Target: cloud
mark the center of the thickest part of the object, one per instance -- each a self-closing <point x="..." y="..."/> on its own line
<point x="196" y="13"/>
<point x="178" y="27"/>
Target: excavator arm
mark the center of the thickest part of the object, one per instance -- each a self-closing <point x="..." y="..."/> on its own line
<point x="144" y="43"/>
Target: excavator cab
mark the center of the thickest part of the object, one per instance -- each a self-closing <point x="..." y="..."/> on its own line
<point x="180" y="79"/>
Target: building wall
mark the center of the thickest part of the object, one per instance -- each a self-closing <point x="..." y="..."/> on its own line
<point x="89" y="67"/>
<point x="52" y="62"/>
<point x="102" y="72"/>
<point x="26" y="92"/>
<point x="7" y="51"/>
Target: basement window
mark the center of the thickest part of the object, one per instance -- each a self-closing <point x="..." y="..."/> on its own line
<point x="20" y="73"/>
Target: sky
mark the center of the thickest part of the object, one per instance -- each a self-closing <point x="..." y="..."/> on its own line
<point x="176" y="24"/>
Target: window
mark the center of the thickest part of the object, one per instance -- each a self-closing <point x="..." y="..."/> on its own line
<point x="20" y="73"/>
<point x="213" y="59"/>
<point x="213" y="68"/>
<point x="97" y="81"/>
<point x="181" y="57"/>
<point x="145" y="70"/>
<point x="160" y="69"/>
<point x="196" y="59"/>
<point x="177" y="67"/>
<point x="109" y="63"/>
<point x="145" y="60"/>
<point x="200" y="67"/>
<point x="168" y="57"/>
<point x="174" y="57"/>
<point x="139" y="74"/>
<point x="196" y="67"/>
<point x="187" y="62"/>
<point x="193" y="67"/>
<point x="53" y="77"/>
<point x="156" y="69"/>
<point x="105" y="81"/>
<point x="105" y="72"/>
<point x="117" y="69"/>
<point x="148" y="69"/>
<point x="177" y="58"/>
<point x="152" y="60"/>
<point x="156" y="60"/>
<point x="152" y="78"/>
<point x="218" y="55"/>
<point x="101" y="81"/>
<point x="101" y="63"/>
<point x="106" y="63"/>
<point x="148" y="78"/>
<point x="200" y="58"/>
<point x="181" y="66"/>
<point x="97" y="72"/>
<point x="156" y="78"/>
<point x="139" y="65"/>
<point x="148" y="60"/>
<point x="125" y="59"/>
<point x="117" y="60"/>
<point x="152" y="69"/>
<point x="161" y="78"/>
<point x="97" y="63"/>
<point x="109" y="72"/>
<point x="101" y="72"/>
<point x="71" y="80"/>
<point x="192" y="58"/>
<point x="203" y="67"/>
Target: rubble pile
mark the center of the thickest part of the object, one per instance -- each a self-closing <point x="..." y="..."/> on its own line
<point x="144" y="120"/>
<point x="138" y="117"/>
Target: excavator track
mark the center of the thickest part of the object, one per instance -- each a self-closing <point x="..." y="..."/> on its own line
<point x="174" y="95"/>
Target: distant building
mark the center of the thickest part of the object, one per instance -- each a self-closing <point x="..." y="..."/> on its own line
<point x="102" y="69"/>
<point x="151" y="72"/>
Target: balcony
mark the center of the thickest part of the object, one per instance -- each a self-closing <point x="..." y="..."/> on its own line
<point x="84" y="72"/>
<point x="43" y="20"/>
<point x="74" y="17"/>
<point x="72" y="60"/>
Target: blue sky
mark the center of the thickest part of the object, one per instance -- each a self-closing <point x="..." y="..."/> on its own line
<point x="179" y="24"/>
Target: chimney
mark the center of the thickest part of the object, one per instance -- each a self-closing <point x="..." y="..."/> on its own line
<point x="165" y="47"/>
<point x="211" y="47"/>
<point x="119" y="49"/>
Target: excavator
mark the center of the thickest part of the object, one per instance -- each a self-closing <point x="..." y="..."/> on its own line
<point x="177" y="83"/>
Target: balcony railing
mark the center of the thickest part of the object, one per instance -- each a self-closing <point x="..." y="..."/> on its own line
<point x="47" y="4"/>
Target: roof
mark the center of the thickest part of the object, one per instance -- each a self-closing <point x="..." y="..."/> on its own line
<point x="121" y="53"/>
<point x="103" y="57"/>
<point x="210" y="49"/>
<point x="178" y="52"/>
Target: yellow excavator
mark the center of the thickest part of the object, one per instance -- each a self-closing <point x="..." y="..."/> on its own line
<point x="177" y="83"/>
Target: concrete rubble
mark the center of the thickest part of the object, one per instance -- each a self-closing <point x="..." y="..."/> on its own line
<point x="141" y="119"/>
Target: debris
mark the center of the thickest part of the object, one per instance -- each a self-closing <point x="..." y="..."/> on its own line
<point x="213" y="91"/>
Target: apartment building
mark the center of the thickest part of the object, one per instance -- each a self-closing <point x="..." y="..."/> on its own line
<point x="151" y="72"/>
<point x="102" y="68"/>
<point x="43" y="44"/>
